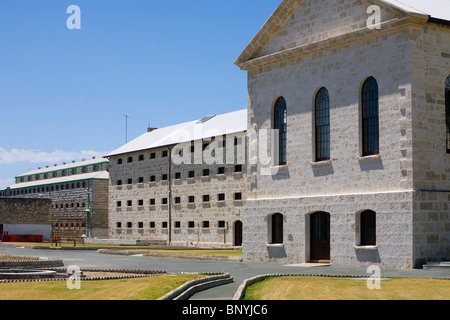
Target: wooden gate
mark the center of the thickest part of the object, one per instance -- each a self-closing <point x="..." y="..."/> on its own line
<point x="68" y="229"/>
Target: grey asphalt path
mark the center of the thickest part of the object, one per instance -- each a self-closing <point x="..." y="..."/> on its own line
<point x="239" y="271"/>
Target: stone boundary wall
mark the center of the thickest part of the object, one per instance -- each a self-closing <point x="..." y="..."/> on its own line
<point x="31" y="264"/>
<point x="185" y="291"/>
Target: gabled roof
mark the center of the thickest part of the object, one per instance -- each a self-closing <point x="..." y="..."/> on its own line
<point x="98" y="175"/>
<point x="208" y="127"/>
<point x="436" y="10"/>
<point x="439" y="9"/>
<point x="64" y="167"/>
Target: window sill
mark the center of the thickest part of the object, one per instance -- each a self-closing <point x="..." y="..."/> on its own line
<point x="365" y="247"/>
<point x="371" y="157"/>
<point x="275" y="245"/>
<point x="322" y="163"/>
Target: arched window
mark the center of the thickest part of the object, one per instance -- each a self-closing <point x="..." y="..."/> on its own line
<point x="368" y="228"/>
<point x="280" y="124"/>
<point x="370" y="122"/>
<point x="447" y="111"/>
<point x="322" y="125"/>
<point x="277" y="228"/>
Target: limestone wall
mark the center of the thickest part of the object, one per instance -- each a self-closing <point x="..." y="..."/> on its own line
<point x="140" y="208"/>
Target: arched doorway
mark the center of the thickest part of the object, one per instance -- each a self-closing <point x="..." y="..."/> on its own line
<point x="320" y="237"/>
<point x="238" y="233"/>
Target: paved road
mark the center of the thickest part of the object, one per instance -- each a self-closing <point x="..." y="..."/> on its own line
<point x="239" y="271"/>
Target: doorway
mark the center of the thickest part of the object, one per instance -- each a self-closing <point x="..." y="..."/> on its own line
<point x="320" y="237"/>
<point x="238" y="233"/>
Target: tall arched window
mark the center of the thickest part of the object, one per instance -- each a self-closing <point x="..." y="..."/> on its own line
<point x="447" y="111"/>
<point x="370" y="117"/>
<point x="280" y="124"/>
<point x="277" y="228"/>
<point x="368" y="228"/>
<point x="322" y="125"/>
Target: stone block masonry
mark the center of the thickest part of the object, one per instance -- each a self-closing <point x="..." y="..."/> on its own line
<point x="26" y="216"/>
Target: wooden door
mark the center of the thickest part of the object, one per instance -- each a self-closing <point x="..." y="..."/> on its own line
<point x="320" y="237"/>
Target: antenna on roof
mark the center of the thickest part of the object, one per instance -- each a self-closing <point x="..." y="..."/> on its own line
<point x="126" y="127"/>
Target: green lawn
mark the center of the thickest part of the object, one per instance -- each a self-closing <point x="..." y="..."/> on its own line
<point x="147" y="288"/>
<point x="327" y="288"/>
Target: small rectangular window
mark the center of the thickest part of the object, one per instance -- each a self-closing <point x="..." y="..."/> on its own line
<point x="141" y="157"/>
<point x="119" y="182"/>
<point x="191" y="174"/>
<point x="164" y="200"/>
<point x="206" y="198"/>
<point x="238" y="168"/>
<point x="221" y="170"/>
<point x="129" y="203"/>
<point x="177" y="175"/>
<point x="164" y="153"/>
<point x="119" y="225"/>
<point x="177" y="224"/>
<point x="119" y="161"/>
<point x="119" y="204"/>
<point x="129" y="225"/>
<point x="221" y="197"/>
<point x="238" y="196"/>
<point x="221" y="224"/>
<point x="164" y="177"/>
<point x="141" y="202"/>
<point x="152" y="178"/>
<point x="205" y="224"/>
<point x="191" y="224"/>
<point x="153" y="155"/>
<point x="164" y="225"/>
<point x="152" y="224"/>
<point x="140" y="225"/>
<point x="177" y="200"/>
<point x="141" y="179"/>
<point x="130" y="181"/>
<point x="152" y="202"/>
<point x="130" y="159"/>
<point x="205" y="172"/>
<point x="191" y="199"/>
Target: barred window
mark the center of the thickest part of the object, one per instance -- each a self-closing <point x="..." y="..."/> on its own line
<point x="322" y="125"/>
<point x="280" y="124"/>
<point x="368" y="228"/>
<point x="370" y="118"/>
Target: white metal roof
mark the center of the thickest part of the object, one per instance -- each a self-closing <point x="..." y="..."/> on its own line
<point x="439" y="9"/>
<point x="65" y="166"/>
<point x="213" y="126"/>
<point x="103" y="175"/>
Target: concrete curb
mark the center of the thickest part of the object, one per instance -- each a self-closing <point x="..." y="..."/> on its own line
<point x="170" y="255"/>
<point x="190" y="288"/>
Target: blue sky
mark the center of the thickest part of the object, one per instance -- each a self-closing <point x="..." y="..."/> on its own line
<point x="64" y="93"/>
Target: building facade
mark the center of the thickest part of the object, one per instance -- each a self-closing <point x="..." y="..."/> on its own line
<point x="78" y="190"/>
<point x="358" y="94"/>
<point x="26" y="217"/>
<point x="183" y="185"/>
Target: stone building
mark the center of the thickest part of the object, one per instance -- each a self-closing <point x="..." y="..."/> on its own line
<point x="78" y="190"/>
<point x="358" y="93"/>
<point x="27" y="217"/>
<point x="182" y="185"/>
